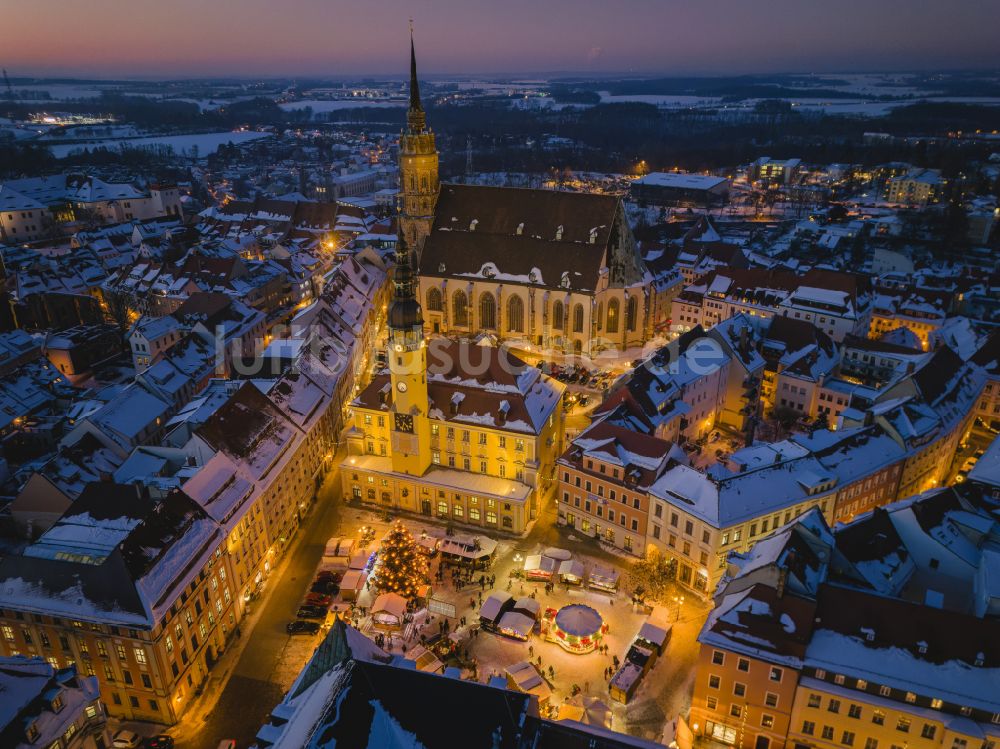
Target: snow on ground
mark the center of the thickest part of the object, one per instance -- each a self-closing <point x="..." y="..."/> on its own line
<point x="659" y="100"/>
<point x="320" y="106"/>
<point x="207" y="143"/>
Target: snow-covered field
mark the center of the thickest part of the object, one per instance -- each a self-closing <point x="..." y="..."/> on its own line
<point x="658" y="100"/>
<point x="206" y="142"/>
<point x="319" y="105"/>
<point x="62" y="91"/>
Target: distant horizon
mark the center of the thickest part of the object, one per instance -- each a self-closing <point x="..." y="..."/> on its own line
<point x="187" y="39"/>
<point x="19" y="78"/>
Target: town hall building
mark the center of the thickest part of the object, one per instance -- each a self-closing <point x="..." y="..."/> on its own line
<point x="465" y="433"/>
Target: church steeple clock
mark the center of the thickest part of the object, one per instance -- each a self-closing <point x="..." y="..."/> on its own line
<point x="411" y="450"/>
<point x="418" y="167"/>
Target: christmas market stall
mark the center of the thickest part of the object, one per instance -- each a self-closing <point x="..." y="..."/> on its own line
<point x="493" y="608"/>
<point x="425" y="660"/>
<point x="603" y="578"/>
<point x="352" y="584"/>
<point x="571" y="572"/>
<point x="337" y="554"/>
<point x="524" y="677"/>
<point x="389" y="612"/>
<point x="528" y="606"/>
<point x="517" y="625"/>
<point x="468" y="551"/>
<point x="539" y="568"/>
<point x="625" y="681"/>
<point x="653" y="637"/>
<point x="638" y="661"/>
<point x="427" y="545"/>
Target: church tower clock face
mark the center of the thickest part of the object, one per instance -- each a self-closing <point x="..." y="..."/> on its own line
<point x="404" y="423"/>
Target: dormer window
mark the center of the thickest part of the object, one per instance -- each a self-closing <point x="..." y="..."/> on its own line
<point x="520" y="229"/>
<point x="593" y="236"/>
<point x="559" y="233"/>
<point x="472" y="224"/>
<point x="31" y="733"/>
<point x="57" y="703"/>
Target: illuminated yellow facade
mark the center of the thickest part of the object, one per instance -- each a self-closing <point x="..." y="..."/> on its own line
<point x="465" y="441"/>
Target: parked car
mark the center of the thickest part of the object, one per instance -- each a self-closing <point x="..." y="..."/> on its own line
<point x="310" y="612"/>
<point x="124" y="739"/>
<point x="318" y="599"/>
<point x="300" y="627"/>
<point x="163" y="741"/>
<point x="227" y="744"/>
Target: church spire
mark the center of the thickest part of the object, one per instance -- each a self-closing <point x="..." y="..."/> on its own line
<point x="415" y="118"/>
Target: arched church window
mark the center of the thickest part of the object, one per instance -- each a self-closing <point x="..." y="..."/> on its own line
<point x="612" y="326"/>
<point x="631" y="313"/>
<point x="460" y="308"/>
<point x="515" y="314"/>
<point x="487" y="311"/>
<point x="434" y="299"/>
<point x="557" y="315"/>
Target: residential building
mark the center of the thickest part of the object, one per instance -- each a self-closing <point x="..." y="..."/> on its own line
<point x="918" y="187"/>
<point x="45" y="706"/>
<point x="604" y="477"/>
<point x="837" y="303"/>
<point x="774" y="171"/>
<point x="132" y="590"/>
<point x="36" y="208"/>
<point x="848" y="638"/>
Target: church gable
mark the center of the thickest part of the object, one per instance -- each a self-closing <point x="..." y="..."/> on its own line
<point x="625" y="268"/>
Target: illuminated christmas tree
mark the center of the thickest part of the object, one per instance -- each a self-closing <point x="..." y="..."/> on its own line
<point x="401" y="567"/>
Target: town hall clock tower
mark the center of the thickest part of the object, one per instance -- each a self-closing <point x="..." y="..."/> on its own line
<point x="407" y="355"/>
<point x="418" y="168"/>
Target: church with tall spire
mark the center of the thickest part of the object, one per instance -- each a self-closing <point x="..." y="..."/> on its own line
<point x="418" y="168"/>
